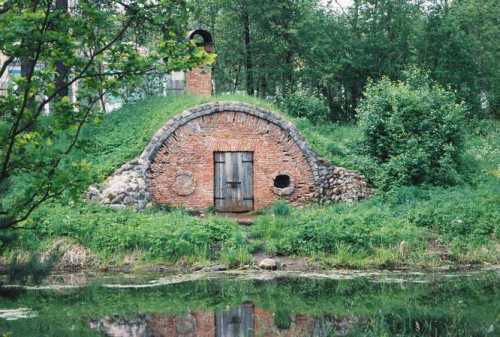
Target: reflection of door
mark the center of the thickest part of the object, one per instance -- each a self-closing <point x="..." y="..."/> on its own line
<point x="237" y="322"/>
<point x="233" y="181"/>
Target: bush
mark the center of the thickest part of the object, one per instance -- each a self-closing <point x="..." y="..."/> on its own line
<point x="303" y="105"/>
<point x="412" y="132"/>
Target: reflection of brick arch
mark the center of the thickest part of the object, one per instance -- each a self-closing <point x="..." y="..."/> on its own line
<point x="264" y="325"/>
<point x="194" y="324"/>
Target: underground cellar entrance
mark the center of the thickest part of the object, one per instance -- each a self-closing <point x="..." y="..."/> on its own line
<point x="233" y="181"/>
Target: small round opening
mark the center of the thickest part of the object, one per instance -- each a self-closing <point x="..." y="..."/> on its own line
<point x="282" y="181"/>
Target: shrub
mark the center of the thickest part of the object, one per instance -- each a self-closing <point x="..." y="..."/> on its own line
<point x="466" y="216"/>
<point x="280" y="208"/>
<point x="303" y="105"/>
<point x="412" y="132"/>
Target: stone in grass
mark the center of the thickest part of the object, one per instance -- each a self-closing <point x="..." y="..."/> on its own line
<point x="268" y="264"/>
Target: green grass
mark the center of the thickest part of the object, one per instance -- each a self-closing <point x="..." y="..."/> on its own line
<point x="407" y="226"/>
<point x="167" y="236"/>
<point x="122" y="135"/>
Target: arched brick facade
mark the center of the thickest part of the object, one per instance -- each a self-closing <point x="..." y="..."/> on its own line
<point x="189" y="152"/>
<point x="177" y="166"/>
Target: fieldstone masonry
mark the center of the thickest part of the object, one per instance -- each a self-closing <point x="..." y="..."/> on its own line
<point x="176" y="167"/>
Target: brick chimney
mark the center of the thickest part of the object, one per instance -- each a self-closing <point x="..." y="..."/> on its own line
<point x="199" y="80"/>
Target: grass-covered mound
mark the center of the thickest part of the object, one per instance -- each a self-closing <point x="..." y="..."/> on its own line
<point x="407" y="226"/>
<point x="122" y="135"/>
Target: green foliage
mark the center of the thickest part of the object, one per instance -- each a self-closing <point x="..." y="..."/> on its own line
<point x="102" y="46"/>
<point x="458" y="44"/>
<point x="334" y="141"/>
<point x="304" y="105"/>
<point x="280" y="208"/>
<point x="169" y="235"/>
<point x="234" y="257"/>
<point x="274" y="49"/>
<point x="413" y="132"/>
<point x="465" y="216"/>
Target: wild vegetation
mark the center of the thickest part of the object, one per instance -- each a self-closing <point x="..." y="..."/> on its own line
<point x="417" y="226"/>
<point x="330" y="49"/>
<point x="57" y="44"/>
<point x="405" y="92"/>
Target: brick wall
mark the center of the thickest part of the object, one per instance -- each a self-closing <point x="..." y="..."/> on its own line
<point x="189" y="151"/>
<point x="301" y="325"/>
<point x="199" y="81"/>
<point x="194" y="324"/>
<point x="176" y="167"/>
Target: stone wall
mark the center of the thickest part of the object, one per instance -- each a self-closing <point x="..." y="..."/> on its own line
<point x="339" y="184"/>
<point x="180" y="154"/>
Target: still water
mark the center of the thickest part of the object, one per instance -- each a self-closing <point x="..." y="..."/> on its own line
<point x="284" y="305"/>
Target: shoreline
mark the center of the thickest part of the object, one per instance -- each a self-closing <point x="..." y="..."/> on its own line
<point x="120" y="280"/>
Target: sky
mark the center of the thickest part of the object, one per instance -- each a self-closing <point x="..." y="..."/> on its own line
<point x="343" y="3"/>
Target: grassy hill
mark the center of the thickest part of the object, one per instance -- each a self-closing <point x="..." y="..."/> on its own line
<point x="408" y="226"/>
<point x="122" y="135"/>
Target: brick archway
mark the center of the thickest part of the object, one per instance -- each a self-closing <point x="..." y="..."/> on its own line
<point x="213" y="108"/>
<point x="166" y="172"/>
<point x="187" y="146"/>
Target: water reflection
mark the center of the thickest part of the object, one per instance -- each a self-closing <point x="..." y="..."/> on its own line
<point x="285" y="307"/>
<point x="245" y="320"/>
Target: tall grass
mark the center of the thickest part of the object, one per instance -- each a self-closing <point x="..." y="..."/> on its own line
<point x="405" y="226"/>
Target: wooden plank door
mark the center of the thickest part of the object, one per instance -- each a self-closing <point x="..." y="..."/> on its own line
<point x="236" y="322"/>
<point x="233" y="181"/>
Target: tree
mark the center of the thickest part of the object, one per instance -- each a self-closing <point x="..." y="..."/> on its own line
<point x="460" y="45"/>
<point x="274" y="48"/>
<point x="98" y="44"/>
<point x="412" y="132"/>
<point x="257" y="44"/>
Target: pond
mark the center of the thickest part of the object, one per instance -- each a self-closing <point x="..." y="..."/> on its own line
<point x="260" y="304"/>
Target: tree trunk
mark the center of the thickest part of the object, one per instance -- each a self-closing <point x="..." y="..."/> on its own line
<point x="61" y="69"/>
<point x="245" y="20"/>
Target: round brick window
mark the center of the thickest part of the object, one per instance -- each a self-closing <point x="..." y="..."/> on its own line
<point x="282" y="181"/>
<point x="184" y="183"/>
<point x="283" y="184"/>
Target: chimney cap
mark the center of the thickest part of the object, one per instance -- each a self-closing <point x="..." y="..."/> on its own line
<point x="207" y="43"/>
